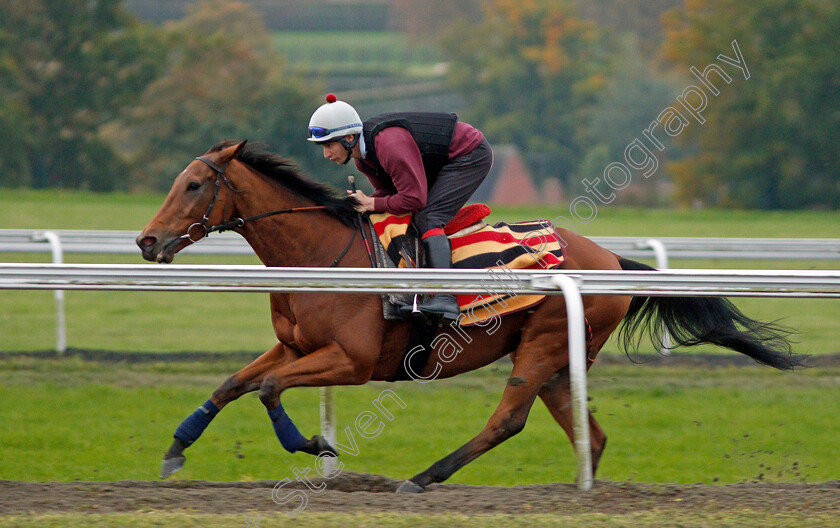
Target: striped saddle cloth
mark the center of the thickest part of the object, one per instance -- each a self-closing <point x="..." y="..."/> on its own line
<point x="477" y="245"/>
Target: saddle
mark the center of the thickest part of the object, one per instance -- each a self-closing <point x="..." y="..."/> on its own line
<point x="475" y="245"/>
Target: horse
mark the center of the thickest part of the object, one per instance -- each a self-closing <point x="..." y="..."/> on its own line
<point x="328" y="339"/>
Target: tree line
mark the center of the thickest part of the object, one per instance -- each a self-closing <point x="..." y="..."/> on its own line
<point x="92" y="98"/>
<point x="540" y="75"/>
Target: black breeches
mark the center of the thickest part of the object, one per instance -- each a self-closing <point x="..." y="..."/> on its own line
<point x="455" y="183"/>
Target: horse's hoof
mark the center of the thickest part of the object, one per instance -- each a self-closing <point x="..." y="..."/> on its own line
<point x="318" y="445"/>
<point x="409" y="487"/>
<point x="171" y="466"/>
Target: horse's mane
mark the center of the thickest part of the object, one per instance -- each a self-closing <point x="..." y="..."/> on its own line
<point x="286" y="173"/>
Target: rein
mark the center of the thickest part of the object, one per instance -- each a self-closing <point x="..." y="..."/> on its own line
<point x="239" y="222"/>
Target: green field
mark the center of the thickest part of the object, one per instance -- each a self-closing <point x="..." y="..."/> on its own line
<point x="111" y="421"/>
<point x="375" y="53"/>
<point x="24" y="209"/>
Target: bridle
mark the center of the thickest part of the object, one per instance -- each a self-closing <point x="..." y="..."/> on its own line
<point x="194" y="235"/>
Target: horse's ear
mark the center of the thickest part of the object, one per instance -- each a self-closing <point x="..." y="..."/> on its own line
<point x="229" y="153"/>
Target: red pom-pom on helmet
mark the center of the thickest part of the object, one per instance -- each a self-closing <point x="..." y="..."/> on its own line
<point x="331" y="98"/>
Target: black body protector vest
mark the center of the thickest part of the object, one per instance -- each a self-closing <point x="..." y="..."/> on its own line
<point x="431" y="131"/>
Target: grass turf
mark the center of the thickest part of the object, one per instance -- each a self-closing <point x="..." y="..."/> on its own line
<point x="71" y="419"/>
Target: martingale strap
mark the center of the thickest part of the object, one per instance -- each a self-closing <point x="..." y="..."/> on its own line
<point x="345" y="250"/>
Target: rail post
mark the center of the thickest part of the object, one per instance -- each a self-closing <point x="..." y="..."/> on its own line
<point x="57" y="258"/>
<point x="577" y="377"/>
<point x="328" y="428"/>
<point x="661" y="255"/>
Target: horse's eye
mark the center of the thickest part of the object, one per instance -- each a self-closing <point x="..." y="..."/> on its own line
<point x="193" y="186"/>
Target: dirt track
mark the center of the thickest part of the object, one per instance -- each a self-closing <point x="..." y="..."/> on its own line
<point x="360" y="492"/>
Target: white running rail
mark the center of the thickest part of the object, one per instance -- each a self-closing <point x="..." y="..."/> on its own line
<point x="122" y="242"/>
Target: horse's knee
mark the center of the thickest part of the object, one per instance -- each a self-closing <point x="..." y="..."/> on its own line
<point x="510" y="425"/>
<point x="514" y="427"/>
<point x="270" y="392"/>
<point x="228" y="391"/>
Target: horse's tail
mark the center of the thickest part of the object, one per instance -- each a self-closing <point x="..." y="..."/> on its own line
<point x="694" y="320"/>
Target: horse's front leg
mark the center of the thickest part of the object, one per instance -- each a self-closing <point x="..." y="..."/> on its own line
<point x="329" y="365"/>
<point x="246" y="380"/>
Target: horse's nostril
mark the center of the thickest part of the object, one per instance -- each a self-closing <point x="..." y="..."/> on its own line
<point x="147" y="241"/>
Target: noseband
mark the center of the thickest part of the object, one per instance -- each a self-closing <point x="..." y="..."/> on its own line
<point x="203" y="230"/>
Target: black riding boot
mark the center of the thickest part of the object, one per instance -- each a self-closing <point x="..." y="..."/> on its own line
<point x="439" y="255"/>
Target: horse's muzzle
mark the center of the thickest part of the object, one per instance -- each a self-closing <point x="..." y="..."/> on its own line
<point x="157" y="250"/>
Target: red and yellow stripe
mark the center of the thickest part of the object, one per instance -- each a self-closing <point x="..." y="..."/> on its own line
<point x="516" y="246"/>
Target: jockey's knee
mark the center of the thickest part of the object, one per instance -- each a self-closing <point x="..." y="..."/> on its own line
<point x="425" y="222"/>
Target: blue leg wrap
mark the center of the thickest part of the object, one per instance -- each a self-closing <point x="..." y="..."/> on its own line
<point x="195" y="424"/>
<point x="286" y="431"/>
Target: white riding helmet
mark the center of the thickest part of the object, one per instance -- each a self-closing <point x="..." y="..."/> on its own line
<point x="333" y="120"/>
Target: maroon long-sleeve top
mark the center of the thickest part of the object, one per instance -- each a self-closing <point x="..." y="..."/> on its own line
<point x="404" y="188"/>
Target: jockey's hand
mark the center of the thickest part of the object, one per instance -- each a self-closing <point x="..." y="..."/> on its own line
<point x="365" y="202"/>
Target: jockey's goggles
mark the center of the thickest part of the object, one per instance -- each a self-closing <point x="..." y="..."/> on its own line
<point x="319" y="132"/>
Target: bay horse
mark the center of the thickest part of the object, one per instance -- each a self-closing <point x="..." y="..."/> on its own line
<point x="335" y="339"/>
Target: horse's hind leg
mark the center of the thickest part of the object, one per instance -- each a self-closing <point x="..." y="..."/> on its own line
<point x="556" y="395"/>
<point x="535" y="364"/>
<point x="246" y="380"/>
<point x="604" y="314"/>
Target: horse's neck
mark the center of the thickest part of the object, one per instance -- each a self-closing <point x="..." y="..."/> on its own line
<point x="304" y="238"/>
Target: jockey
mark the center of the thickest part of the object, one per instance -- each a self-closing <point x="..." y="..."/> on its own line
<point x="424" y="164"/>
